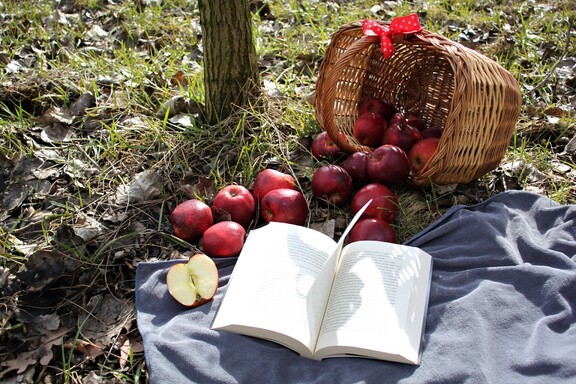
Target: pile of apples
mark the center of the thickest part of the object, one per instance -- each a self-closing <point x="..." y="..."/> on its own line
<point x="379" y="125"/>
<point x="274" y="197"/>
<point x="273" y="192"/>
<point x="401" y="143"/>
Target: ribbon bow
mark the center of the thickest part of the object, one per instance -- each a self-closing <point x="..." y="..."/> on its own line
<point x="399" y="25"/>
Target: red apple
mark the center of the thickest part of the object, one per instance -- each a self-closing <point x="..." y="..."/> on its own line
<point x="238" y="202"/>
<point x="416" y="122"/>
<point x="409" y="113"/>
<point x="193" y="283"/>
<point x="372" y="229"/>
<point x="324" y="148"/>
<point x="384" y="205"/>
<point x="369" y="128"/>
<point x="401" y="135"/>
<point x="389" y="165"/>
<point x="422" y="152"/>
<point x="190" y="219"/>
<point x="332" y="183"/>
<point x="270" y="179"/>
<point x="431" y="132"/>
<point x="377" y="105"/>
<point x="355" y="165"/>
<point x="284" y="205"/>
<point x="223" y="239"/>
<point x="414" y="133"/>
<point x="397" y="118"/>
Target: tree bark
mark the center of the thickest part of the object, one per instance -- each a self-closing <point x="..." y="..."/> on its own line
<point x="230" y="67"/>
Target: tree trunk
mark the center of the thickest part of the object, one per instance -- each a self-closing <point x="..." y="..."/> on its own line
<point x="230" y="68"/>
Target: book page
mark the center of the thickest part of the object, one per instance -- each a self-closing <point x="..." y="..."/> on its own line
<point x="271" y="281"/>
<point x="320" y="290"/>
<point x="378" y="302"/>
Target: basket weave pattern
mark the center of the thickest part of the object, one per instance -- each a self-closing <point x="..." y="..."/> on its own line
<point x="470" y="97"/>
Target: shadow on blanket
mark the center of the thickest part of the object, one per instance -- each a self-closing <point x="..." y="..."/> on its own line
<point x="501" y="310"/>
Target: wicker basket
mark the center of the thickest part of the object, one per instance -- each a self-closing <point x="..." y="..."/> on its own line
<point x="473" y="99"/>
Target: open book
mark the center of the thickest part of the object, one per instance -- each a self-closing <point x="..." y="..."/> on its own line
<point x="298" y="287"/>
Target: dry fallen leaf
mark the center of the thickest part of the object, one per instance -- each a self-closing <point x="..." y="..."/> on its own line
<point x="43" y="267"/>
<point x="179" y="79"/>
<point x="56" y="133"/>
<point x="570" y="148"/>
<point x="12" y="198"/>
<point x="42" y="354"/>
<point x="85" y="101"/>
<point x="178" y="105"/>
<point x="144" y="187"/>
<point x="128" y="346"/>
<point x="57" y="115"/>
<point x="327" y="227"/>
<point x="107" y="317"/>
<point x="87" y="348"/>
<point x="87" y="228"/>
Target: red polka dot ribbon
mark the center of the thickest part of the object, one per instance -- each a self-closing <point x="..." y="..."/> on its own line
<point x="399" y="25"/>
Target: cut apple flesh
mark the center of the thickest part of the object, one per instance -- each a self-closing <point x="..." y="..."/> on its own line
<point x="195" y="282"/>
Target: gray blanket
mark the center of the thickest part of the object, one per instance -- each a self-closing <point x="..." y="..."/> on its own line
<point x="502" y="310"/>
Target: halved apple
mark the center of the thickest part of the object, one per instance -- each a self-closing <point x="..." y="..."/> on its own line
<point x="195" y="282"/>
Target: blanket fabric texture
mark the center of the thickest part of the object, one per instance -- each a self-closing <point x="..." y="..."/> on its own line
<point x="502" y="310"/>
